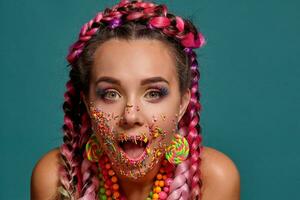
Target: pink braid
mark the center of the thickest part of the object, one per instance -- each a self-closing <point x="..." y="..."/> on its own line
<point x="69" y="170"/>
<point x="88" y="169"/>
<point x="157" y="18"/>
<point x="77" y="132"/>
<point x="190" y="173"/>
<point x="194" y="137"/>
<point x="179" y="188"/>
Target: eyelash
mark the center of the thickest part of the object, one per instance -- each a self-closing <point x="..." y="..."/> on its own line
<point x="161" y="91"/>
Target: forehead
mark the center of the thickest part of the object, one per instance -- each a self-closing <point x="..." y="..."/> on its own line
<point x="134" y="60"/>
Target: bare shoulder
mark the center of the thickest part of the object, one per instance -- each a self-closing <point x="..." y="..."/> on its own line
<point x="220" y="176"/>
<point x="45" y="177"/>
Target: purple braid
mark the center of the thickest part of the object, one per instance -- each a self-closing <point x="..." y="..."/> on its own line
<point x="78" y="175"/>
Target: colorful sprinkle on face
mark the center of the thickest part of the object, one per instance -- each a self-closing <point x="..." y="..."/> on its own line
<point x="110" y="140"/>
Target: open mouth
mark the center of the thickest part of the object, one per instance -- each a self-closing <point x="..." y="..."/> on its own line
<point x="134" y="147"/>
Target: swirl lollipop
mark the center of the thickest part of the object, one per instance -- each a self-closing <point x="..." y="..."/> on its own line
<point x="178" y="150"/>
<point x="93" y="149"/>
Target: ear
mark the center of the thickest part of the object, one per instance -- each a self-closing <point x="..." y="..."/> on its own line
<point x="184" y="102"/>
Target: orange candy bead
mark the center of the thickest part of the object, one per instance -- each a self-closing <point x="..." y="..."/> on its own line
<point x="114" y="179"/>
<point x="156" y="183"/>
<point x="155" y="196"/>
<point x="161" y="183"/>
<point x="115" y="186"/>
<point x="157" y="189"/>
<point x="159" y="176"/>
<point x="116" y="195"/>
<point x="111" y="172"/>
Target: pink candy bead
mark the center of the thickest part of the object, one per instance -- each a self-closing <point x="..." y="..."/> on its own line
<point x="163" y="195"/>
<point x="166" y="189"/>
<point x="168" y="181"/>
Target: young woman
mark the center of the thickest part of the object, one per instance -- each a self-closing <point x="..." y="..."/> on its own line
<point x="131" y="126"/>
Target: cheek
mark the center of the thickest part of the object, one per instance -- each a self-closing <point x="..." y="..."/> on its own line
<point x="167" y="124"/>
<point x="164" y="117"/>
<point x="110" y="109"/>
<point x="103" y="122"/>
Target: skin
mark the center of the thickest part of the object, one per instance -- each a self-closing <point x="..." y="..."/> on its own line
<point x="152" y="58"/>
<point x="131" y="62"/>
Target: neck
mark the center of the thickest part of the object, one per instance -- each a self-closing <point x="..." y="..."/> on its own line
<point x="139" y="189"/>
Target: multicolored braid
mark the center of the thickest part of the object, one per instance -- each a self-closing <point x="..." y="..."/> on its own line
<point x="69" y="170"/>
<point x="76" y="133"/>
<point x="78" y="174"/>
<point x="188" y="172"/>
<point x="156" y="16"/>
<point x="192" y="117"/>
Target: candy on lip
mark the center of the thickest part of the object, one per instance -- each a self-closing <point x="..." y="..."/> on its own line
<point x="135" y="138"/>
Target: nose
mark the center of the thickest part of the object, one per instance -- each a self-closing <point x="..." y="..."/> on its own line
<point x="132" y="116"/>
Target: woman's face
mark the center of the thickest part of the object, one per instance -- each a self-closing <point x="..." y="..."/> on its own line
<point x="134" y="103"/>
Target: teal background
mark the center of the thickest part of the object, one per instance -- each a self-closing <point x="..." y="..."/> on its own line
<point x="249" y="85"/>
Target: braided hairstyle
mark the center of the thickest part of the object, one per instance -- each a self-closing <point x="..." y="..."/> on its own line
<point x="129" y="20"/>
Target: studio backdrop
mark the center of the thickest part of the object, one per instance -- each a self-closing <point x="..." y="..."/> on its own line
<point x="250" y="73"/>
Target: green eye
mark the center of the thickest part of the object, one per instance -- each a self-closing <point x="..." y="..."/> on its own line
<point x="157" y="93"/>
<point x="108" y="94"/>
<point x="153" y="94"/>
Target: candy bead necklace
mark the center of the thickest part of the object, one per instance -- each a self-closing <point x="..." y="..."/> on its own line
<point x="110" y="189"/>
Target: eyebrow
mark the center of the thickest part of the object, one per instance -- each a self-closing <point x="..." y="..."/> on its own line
<point x="143" y="82"/>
